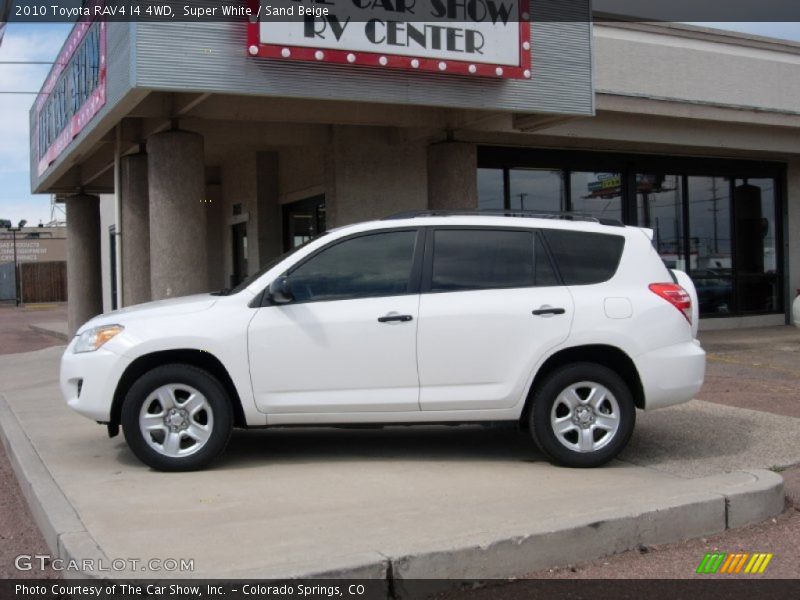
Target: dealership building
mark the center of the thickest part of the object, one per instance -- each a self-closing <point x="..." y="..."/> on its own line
<point x="225" y="144"/>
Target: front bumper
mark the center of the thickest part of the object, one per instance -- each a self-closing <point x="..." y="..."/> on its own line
<point x="88" y="380"/>
<point x="671" y="375"/>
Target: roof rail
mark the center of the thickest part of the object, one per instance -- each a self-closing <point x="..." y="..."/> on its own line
<point x="530" y="214"/>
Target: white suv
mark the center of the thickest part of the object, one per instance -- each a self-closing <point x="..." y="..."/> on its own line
<point x="565" y="324"/>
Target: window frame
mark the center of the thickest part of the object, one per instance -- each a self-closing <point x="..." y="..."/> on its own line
<point x="427" y="265"/>
<point x="413" y="278"/>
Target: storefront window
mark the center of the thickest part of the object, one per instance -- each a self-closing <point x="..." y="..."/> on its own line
<point x="659" y="207"/>
<point x="596" y="194"/>
<point x="490" y="189"/>
<point x="723" y="229"/>
<point x="710" y="256"/>
<point x="536" y="189"/>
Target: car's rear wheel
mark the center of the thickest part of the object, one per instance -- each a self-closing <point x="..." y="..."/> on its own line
<point x="583" y="415"/>
<point x="177" y="418"/>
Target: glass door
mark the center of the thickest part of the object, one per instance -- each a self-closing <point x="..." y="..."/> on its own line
<point x="302" y="221"/>
<point x="239" y="240"/>
<point x="757" y="273"/>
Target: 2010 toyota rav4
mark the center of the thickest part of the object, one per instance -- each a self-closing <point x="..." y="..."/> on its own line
<point x="567" y="325"/>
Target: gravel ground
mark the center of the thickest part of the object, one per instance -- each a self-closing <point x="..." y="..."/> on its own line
<point x="15" y="332"/>
<point x="755" y="369"/>
<point x="18" y="532"/>
<point x="759" y="369"/>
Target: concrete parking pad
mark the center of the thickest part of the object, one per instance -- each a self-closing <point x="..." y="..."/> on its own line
<point x="423" y="502"/>
<point x="700" y="438"/>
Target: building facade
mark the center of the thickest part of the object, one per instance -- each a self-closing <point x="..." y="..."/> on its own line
<point x="223" y="151"/>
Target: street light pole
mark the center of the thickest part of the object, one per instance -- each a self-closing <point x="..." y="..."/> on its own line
<point x="13" y="231"/>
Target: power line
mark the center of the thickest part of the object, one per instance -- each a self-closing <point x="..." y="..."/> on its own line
<point x="25" y="62"/>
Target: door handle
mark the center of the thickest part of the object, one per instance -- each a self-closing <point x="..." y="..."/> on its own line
<point x="548" y="310"/>
<point x="393" y="318"/>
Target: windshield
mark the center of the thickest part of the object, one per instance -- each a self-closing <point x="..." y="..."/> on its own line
<point x="248" y="280"/>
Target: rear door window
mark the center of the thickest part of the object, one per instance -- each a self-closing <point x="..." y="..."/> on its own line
<point x="584" y="258"/>
<point x="476" y="259"/>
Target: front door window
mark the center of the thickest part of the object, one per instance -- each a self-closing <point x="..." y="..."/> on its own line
<point x="362" y="267"/>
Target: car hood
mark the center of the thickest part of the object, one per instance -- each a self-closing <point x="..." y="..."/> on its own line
<point x="159" y="308"/>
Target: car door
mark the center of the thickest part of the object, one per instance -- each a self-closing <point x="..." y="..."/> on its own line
<point x="490" y="308"/>
<point x="347" y="340"/>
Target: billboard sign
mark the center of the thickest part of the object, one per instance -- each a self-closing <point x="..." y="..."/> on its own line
<point x="33" y="250"/>
<point x="478" y="38"/>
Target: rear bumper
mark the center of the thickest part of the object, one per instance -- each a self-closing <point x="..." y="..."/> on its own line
<point x="671" y="375"/>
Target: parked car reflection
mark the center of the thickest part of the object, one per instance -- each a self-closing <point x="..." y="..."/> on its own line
<point x="714" y="290"/>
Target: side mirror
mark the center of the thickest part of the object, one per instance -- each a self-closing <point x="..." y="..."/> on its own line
<point x="280" y="292"/>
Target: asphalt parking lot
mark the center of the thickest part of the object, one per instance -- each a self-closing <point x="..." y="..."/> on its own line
<point x="348" y="499"/>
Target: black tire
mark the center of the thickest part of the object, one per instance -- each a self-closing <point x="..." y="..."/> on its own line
<point x="218" y="424"/>
<point x="546" y="396"/>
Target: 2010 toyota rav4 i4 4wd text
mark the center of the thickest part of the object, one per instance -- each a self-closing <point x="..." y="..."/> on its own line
<point x="565" y="324"/>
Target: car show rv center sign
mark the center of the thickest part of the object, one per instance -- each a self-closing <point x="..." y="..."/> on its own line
<point x="489" y="38"/>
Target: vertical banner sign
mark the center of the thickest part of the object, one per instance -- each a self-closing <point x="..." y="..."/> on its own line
<point x="477" y="38"/>
<point x="73" y="93"/>
<point x="5" y="11"/>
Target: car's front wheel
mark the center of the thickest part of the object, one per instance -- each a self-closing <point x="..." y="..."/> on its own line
<point x="583" y="415"/>
<point x="177" y="418"/>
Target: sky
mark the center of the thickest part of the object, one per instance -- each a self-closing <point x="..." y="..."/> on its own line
<point x="23" y="43"/>
<point x="40" y="42"/>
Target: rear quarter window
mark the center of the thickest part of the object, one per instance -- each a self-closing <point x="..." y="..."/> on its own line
<point x="585" y="258"/>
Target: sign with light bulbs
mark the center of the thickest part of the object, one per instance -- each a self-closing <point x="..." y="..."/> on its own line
<point x="472" y="38"/>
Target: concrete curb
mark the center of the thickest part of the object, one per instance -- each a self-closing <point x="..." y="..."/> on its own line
<point x="694" y="515"/>
<point x="53" y="330"/>
<point x="761" y="499"/>
<point x="730" y="500"/>
<point x="710" y="505"/>
<point x="62" y="529"/>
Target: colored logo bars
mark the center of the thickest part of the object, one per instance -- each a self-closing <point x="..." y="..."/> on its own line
<point x="730" y="564"/>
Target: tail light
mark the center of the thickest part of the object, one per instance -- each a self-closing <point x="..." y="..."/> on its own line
<point x="675" y="295"/>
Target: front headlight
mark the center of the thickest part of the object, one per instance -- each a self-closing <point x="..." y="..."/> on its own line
<point x="91" y="339"/>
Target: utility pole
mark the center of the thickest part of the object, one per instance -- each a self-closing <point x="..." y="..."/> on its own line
<point x="715" y="210"/>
